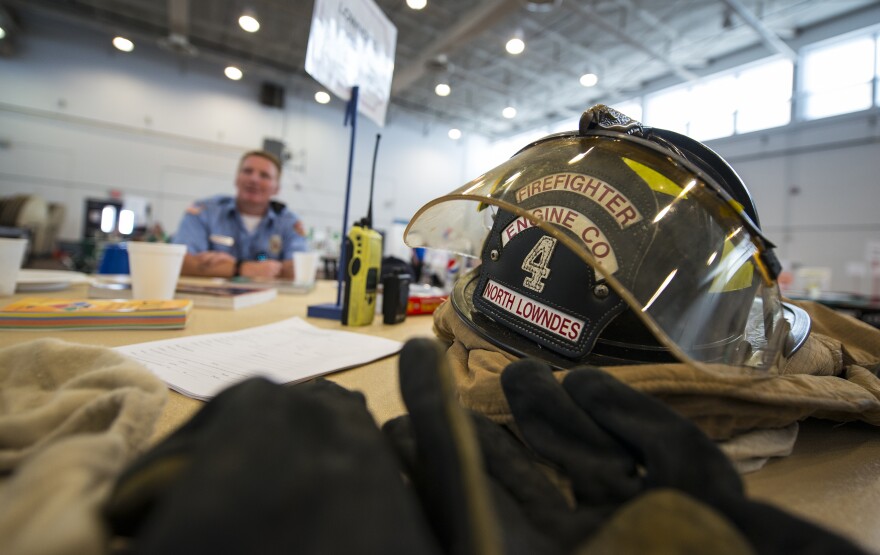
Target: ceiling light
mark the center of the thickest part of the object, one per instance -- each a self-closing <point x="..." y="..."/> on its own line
<point x="515" y="45"/>
<point x="417" y="4"/>
<point x="589" y="79"/>
<point x="322" y="97"/>
<point x="233" y="73"/>
<point x="509" y="112"/>
<point x="122" y="43"/>
<point x="248" y="22"/>
<point x="454" y="134"/>
<point x="442" y="89"/>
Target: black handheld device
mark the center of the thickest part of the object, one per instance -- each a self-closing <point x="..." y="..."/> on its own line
<point x="395" y="297"/>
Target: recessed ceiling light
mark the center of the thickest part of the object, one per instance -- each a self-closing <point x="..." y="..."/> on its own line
<point x="322" y="97"/>
<point x="515" y="45"/>
<point x="122" y="43"/>
<point x="442" y="89"/>
<point x="233" y="73"/>
<point x="249" y="23"/>
<point x="589" y="79"/>
<point x="454" y="134"/>
<point x="509" y="112"/>
<point x="417" y="4"/>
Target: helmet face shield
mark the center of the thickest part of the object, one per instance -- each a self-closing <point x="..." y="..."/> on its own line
<point x="611" y="245"/>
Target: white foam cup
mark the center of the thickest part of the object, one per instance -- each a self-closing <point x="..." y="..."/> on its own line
<point x="11" y="259"/>
<point x="155" y="268"/>
<point x="305" y="267"/>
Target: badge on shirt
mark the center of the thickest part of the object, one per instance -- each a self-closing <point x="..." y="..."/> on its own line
<point x="223" y="240"/>
<point x="275" y="245"/>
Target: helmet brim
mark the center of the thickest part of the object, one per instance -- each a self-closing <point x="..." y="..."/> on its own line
<point x="462" y="296"/>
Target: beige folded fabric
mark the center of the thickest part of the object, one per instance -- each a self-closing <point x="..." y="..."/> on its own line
<point x="833" y="376"/>
<point x="71" y="417"/>
<point x="750" y="451"/>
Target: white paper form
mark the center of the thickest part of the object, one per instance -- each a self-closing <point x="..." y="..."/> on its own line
<point x="289" y="351"/>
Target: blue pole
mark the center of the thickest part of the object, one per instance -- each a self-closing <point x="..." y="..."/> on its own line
<point x="327" y="310"/>
<point x="350" y="116"/>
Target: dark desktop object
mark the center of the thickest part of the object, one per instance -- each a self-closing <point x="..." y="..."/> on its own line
<point x="395" y="297"/>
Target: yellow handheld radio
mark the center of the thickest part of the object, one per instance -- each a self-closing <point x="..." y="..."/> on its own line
<point x="363" y="262"/>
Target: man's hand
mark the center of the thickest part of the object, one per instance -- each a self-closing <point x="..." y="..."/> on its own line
<point x="211" y="260"/>
<point x="221" y="264"/>
<point x="209" y="263"/>
<point x="265" y="269"/>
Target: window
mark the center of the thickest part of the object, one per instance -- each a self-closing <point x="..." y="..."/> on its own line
<point x="835" y="77"/>
<point x="669" y="109"/>
<point x="754" y="97"/>
<point x="764" y="96"/>
<point x="631" y="108"/>
<point x="877" y="71"/>
<point x="838" y="78"/>
<point x="714" y="103"/>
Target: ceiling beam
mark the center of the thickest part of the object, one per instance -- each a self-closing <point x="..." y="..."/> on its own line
<point x="470" y="25"/>
<point x="595" y="18"/>
<point x="587" y="54"/>
<point x="178" y="17"/>
<point x="178" y="29"/>
<point x="768" y="37"/>
<point x="648" y="18"/>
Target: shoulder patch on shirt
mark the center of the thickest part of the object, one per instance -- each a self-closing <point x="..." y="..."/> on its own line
<point x="299" y="229"/>
<point x="275" y="245"/>
<point x="194" y="209"/>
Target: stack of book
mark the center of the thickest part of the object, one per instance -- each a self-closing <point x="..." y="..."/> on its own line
<point x="224" y="296"/>
<point x="203" y="294"/>
<point x="46" y="313"/>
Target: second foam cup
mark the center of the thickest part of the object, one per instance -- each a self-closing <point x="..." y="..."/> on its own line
<point x="155" y="268"/>
<point x="11" y="257"/>
<point x="305" y="267"/>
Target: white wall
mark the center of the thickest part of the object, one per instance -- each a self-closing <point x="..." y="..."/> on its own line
<point x="79" y="119"/>
<point x="817" y="189"/>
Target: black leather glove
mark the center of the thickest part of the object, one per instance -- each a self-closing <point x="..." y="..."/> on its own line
<point x="441" y="450"/>
<point x="614" y="443"/>
<point x="264" y="468"/>
<point x="525" y="508"/>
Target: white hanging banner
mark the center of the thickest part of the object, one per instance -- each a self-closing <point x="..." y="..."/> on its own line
<point x="352" y="43"/>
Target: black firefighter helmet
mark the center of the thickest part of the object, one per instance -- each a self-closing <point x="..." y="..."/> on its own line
<point x="615" y="244"/>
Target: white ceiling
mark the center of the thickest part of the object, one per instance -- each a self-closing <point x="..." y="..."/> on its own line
<point x="633" y="45"/>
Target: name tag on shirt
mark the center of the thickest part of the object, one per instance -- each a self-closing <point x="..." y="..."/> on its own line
<point x="223" y="240"/>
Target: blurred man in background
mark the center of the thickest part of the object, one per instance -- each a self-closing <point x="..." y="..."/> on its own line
<point x="248" y="235"/>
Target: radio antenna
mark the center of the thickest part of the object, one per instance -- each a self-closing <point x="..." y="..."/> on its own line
<point x="369" y="219"/>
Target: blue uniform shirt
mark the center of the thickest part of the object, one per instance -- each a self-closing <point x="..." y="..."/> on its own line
<point x="214" y="224"/>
